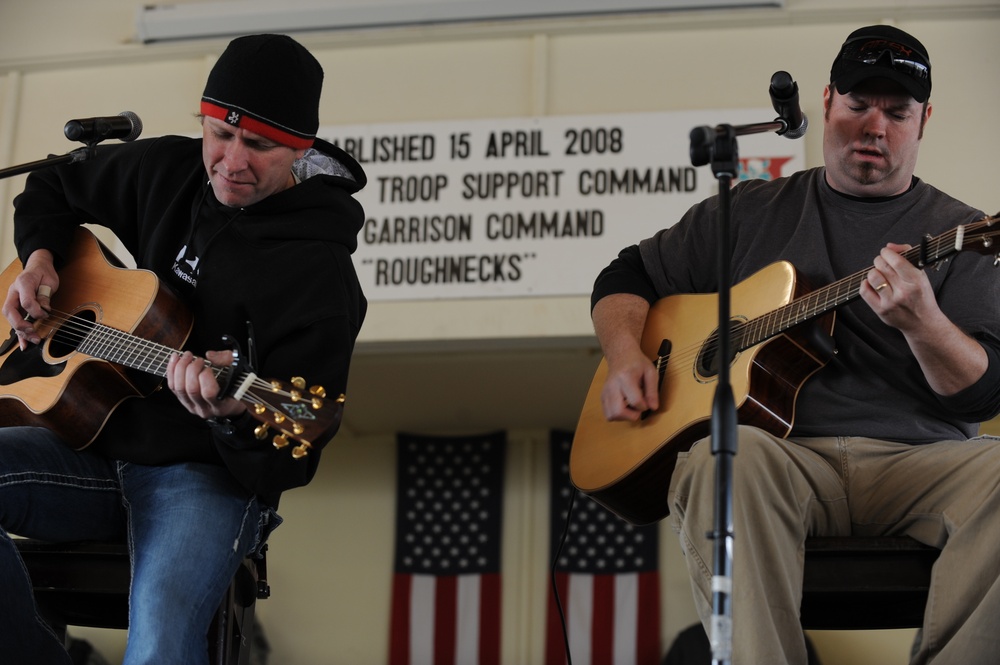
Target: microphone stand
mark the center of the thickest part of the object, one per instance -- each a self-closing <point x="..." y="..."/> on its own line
<point x="718" y="146"/>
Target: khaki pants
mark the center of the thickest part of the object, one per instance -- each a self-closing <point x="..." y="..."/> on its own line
<point x="945" y="494"/>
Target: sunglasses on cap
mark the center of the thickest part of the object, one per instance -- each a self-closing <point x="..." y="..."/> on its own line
<point x="870" y="51"/>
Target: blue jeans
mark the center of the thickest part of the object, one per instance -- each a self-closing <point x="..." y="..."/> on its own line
<point x="188" y="527"/>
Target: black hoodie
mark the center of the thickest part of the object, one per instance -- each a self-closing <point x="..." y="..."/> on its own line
<point x="282" y="264"/>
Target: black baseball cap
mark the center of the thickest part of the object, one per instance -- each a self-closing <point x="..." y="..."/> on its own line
<point x="882" y="51"/>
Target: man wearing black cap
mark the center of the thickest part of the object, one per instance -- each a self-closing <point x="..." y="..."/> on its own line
<point x="883" y="439"/>
<point x="253" y="227"/>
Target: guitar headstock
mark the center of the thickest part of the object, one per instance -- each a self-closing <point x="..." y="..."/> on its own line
<point x="980" y="237"/>
<point x="292" y="412"/>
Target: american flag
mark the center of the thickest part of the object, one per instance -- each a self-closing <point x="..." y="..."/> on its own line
<point x="606" y="576"/>
<point x="446" y="582"/>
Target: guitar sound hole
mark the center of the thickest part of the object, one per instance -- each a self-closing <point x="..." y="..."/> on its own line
<point x="69" y="336"/>
<point x="707" y="365"/>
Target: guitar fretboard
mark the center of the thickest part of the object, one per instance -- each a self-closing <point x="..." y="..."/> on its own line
<point x="130" y="351"/>
<point x="843" y="291"/>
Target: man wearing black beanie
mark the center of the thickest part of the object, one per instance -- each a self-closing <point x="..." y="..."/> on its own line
<point x="252" y="227"/>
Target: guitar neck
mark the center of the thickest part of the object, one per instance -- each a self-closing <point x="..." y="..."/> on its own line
<point x="826" y="299"/>
<point x="295" y="412"/>
<point x="130" y="351"/>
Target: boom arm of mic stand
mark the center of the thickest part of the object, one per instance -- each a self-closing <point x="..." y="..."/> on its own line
<point x="78" y="155"/>
<point x="705" y="140"/>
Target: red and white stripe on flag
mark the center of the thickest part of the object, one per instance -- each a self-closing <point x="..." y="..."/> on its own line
<point x="446" y="585"/>
<point x="606" y="577"/>
<point x="443" y="620"/>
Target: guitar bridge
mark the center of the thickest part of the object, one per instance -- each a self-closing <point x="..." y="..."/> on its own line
<point x="9" y="342"/>
<point x="662" y="359"/>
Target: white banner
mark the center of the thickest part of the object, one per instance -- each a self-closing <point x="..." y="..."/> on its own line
<point x="530" y="206"/>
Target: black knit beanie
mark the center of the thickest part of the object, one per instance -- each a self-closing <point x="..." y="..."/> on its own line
<point x="269" y="85"/>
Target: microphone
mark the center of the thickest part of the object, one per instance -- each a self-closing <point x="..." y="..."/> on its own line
<point x="125" y="126"/>
<point x="785" y="99"/>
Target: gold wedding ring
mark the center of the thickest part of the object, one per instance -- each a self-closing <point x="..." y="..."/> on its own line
<point x="44" y="291"/>
<point x="881" y="286"/>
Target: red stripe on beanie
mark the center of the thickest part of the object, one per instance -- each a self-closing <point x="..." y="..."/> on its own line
<point x="257" y="126"/>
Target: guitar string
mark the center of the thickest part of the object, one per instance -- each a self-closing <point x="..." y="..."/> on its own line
<point x="752" y="332"/>
<point x="85" y="328"/>
<point x="78" y="329"/>
<point x="759" y="329"/>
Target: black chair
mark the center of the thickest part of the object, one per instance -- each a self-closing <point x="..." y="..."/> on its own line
<point x="87" y="584"/>
<point x="859" y="583"/>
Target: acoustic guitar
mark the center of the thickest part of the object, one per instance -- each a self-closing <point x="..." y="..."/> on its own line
<point x="780" y="336"/>
<point x="109" y="335"/>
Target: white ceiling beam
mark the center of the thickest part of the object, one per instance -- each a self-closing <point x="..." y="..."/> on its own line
<point x="222" y="18"/>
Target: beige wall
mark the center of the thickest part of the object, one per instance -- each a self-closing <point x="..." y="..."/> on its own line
<point x="330" y="564"/>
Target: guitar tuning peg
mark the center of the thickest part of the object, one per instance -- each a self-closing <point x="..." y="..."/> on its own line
<point x="298" y="382"/>
<point x="260" y="431"/>
<point x="280" y="441"/>
<point x="318" y="391"/>
<point x="341" y="398"/>
<point x="298" y="452"/>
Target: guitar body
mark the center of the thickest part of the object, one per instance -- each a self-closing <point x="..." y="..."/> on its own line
<point x="53" y="385"/>
<point x="626" y="466"/>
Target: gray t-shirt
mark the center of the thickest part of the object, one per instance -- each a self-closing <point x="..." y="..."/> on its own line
<point x="873" y="386"/>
